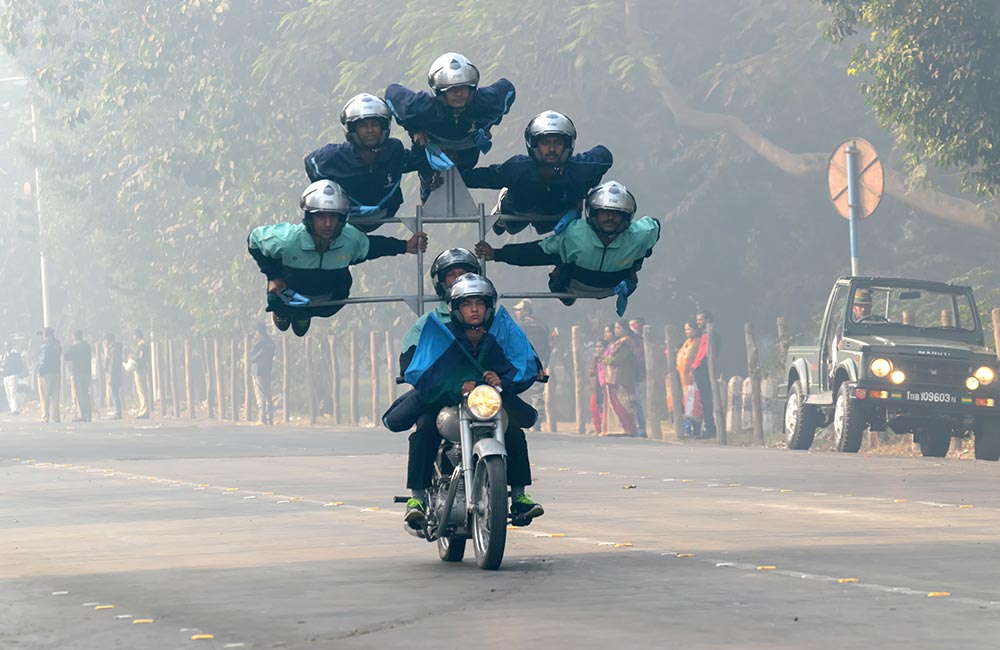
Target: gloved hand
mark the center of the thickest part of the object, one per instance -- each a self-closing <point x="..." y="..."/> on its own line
<point x="292" y="299"/>
<point x="564" y="221"/>
<point x="438" y="160"/>
<point x="481" y="140"/>
<point x="623" y="290"/>
<point x="365" y="210"/>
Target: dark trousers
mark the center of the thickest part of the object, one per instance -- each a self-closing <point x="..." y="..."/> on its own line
<point x="424" y="443"/>
<point x="704" y="382"/>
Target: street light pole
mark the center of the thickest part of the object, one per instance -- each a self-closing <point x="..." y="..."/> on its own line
<point x="42" y="265"/>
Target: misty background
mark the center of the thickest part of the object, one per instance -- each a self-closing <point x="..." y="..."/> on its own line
<point x="168" y="129"/>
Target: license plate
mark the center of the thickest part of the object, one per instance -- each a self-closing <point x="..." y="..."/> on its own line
<point x="931" y="396"/>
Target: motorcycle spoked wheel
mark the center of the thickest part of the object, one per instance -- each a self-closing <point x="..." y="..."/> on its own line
<point x="451" y="548"/>
<point x="489" y="514"/>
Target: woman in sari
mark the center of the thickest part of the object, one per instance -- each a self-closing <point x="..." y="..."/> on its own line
<point x="621" y="371"/>
<point x="685" y="368"/>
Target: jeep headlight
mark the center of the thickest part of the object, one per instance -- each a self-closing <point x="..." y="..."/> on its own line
<point x="985" y="375"/>
<point x="897" y="377"/>
<point x="484" y="402"/>
<point x="880" y="367"/>
<point x="972" y="383"/>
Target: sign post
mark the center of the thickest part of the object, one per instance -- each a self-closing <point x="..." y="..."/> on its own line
<point x="855" y="182"/>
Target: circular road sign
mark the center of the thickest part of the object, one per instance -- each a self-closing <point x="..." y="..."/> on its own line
<point x="871" y="178"/>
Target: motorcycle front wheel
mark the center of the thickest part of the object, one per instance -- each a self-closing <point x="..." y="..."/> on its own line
<point x="489" y="513"/>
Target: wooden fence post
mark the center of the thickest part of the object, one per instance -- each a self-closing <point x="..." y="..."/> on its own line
<point x="753" y="370"/>
<point x="188" y="388"/>
<point x="355" y="408"/>
<point x="653" y="428"/>
<point x="247" y="385"/>
<point x="164" y="374"/>
<point x="310" y="379"/>
<point x="234" y="408"/>
<point x="674" y="381"/>
<point x="578" y="381"/>
<point x="334" y="380"/>
<point x="175" y="402"/>
<point x="285" y="362"/>
<point x="220" y="395"/>
<point x="209" y="390"/>
<point x="720" y="423"/>
<point x="373" y="362"/>
<point x="100" y="389"/>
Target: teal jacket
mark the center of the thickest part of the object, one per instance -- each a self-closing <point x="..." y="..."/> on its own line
<point x="286" y="251"/>
<point x="594" y="263"/>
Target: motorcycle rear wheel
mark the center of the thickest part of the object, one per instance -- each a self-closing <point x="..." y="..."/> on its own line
<point x="489" y="514"/>
<point x="451" y="548"/>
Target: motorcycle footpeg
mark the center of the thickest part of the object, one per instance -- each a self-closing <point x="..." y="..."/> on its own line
<point x="400" y="499"/>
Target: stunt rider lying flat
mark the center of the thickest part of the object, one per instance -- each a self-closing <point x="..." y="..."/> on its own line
<point x="551" y="181"/>
<point x="370" y="164"/>
<point x="309" y="262"/>
<point x="596" y="257"/>
<point x="452" y="126"/>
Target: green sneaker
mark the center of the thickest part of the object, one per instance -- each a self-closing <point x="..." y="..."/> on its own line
<point x="415" y="513"/>
<point x="524" y="508"/>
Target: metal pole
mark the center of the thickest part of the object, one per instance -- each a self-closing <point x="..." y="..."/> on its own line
<point x="420" y="264"/>
<point x="42" y="265"/>
<point x="852" y="202"/>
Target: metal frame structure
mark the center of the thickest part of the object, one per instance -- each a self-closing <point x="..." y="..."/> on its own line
<point x="450" y="203"/>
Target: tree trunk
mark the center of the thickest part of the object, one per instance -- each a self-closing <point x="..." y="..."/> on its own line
<point x="676" y="397"/>
<point x="753" y="371"/>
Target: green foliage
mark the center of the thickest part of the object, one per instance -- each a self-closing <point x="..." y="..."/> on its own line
<point x="929" y="74"/>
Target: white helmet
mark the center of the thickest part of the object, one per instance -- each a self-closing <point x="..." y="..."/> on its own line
<point x="361" y="107"/>
<point x="550" y="123"/>
<point x="324" y="196"/>
<point x="472" y="285"/>
<point x="611" y="195"/>
<point x="451" y="70"/>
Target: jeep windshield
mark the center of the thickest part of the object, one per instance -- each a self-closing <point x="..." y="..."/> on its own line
<point x="921" y="310"/>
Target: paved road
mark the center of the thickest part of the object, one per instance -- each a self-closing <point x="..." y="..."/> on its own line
<point x="287" y="538"/>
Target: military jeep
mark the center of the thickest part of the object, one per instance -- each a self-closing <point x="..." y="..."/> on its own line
<point x="900" y="355"/>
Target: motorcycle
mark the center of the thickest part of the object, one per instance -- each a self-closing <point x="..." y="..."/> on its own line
<point x="472" y="453"/>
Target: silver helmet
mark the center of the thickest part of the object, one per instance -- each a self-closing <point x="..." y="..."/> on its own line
<point x="451" y="70"/>
<point x="361" y="107"/>
<point x="472" y="285"/>
<point x="325" y="196"/>
<point x="448" y="260"/>
<point x="549" y="123"/>
<point x="611" y="195"/>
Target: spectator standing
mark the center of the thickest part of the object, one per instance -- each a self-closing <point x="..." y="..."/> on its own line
<point x="49" y="369"/>
<point x="261" y="362"/>
<point x="620" y="373"/>
<point x="702" y="377"/>
<point x="140" y="371"/>
<point x="635" y="329"/>
<point x="114" y="372"/>
<point x="11" y="367"/>
<point x="538" y="335"/>
<point x="685" y="368"/>
<point x="78" y="359"/>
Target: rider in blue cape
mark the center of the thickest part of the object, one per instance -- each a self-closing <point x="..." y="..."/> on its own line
<point x="479" y="345"/>
<point x="450" y="127"/>
<point x="370" y="164"/>
<point x="310" y="262"/>
<point x="597" y="257"/>
<point x="551" y="181"/>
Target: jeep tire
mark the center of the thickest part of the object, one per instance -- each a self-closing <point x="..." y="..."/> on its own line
<point x="801" y="419"/>
<point x="987" y="438"/>
<point x="848" y="421"/>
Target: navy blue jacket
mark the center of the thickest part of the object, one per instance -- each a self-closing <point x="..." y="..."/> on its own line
<point x="421" y="111"/>
<point x="377" y="184"/>
<point x="528" y="192"/>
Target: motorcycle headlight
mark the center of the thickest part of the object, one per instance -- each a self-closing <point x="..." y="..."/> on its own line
<point x="880" y="367"/>
<point x="484" y="402"/>
<point x="985" y="375"/>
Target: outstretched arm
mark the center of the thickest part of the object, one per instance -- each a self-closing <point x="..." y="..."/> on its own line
<point x="379" y="246"/>
<point x="529" y="254"/>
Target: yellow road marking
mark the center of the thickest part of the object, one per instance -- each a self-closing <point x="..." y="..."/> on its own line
<point x="847" y="580"/>
<point x="767" y="567"/>
<point x="140" y="621"/>
<point x="105" y="607"/>
<point x="202" y="637"/>
<point x="939" y="594"/>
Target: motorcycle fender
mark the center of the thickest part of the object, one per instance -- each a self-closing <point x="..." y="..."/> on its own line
<point x="488" y="447"/>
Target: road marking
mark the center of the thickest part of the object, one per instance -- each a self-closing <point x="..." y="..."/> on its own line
<point x="845" y="581"/>
<point x="123" y="616"/>
<point x="141" y="621"/>
<point x="202" y="637"/>
<point x="939" y="594"/>
<point x="766" y="567"/>
<point x="105" y="607"/>
<point x="60" y="593"/>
